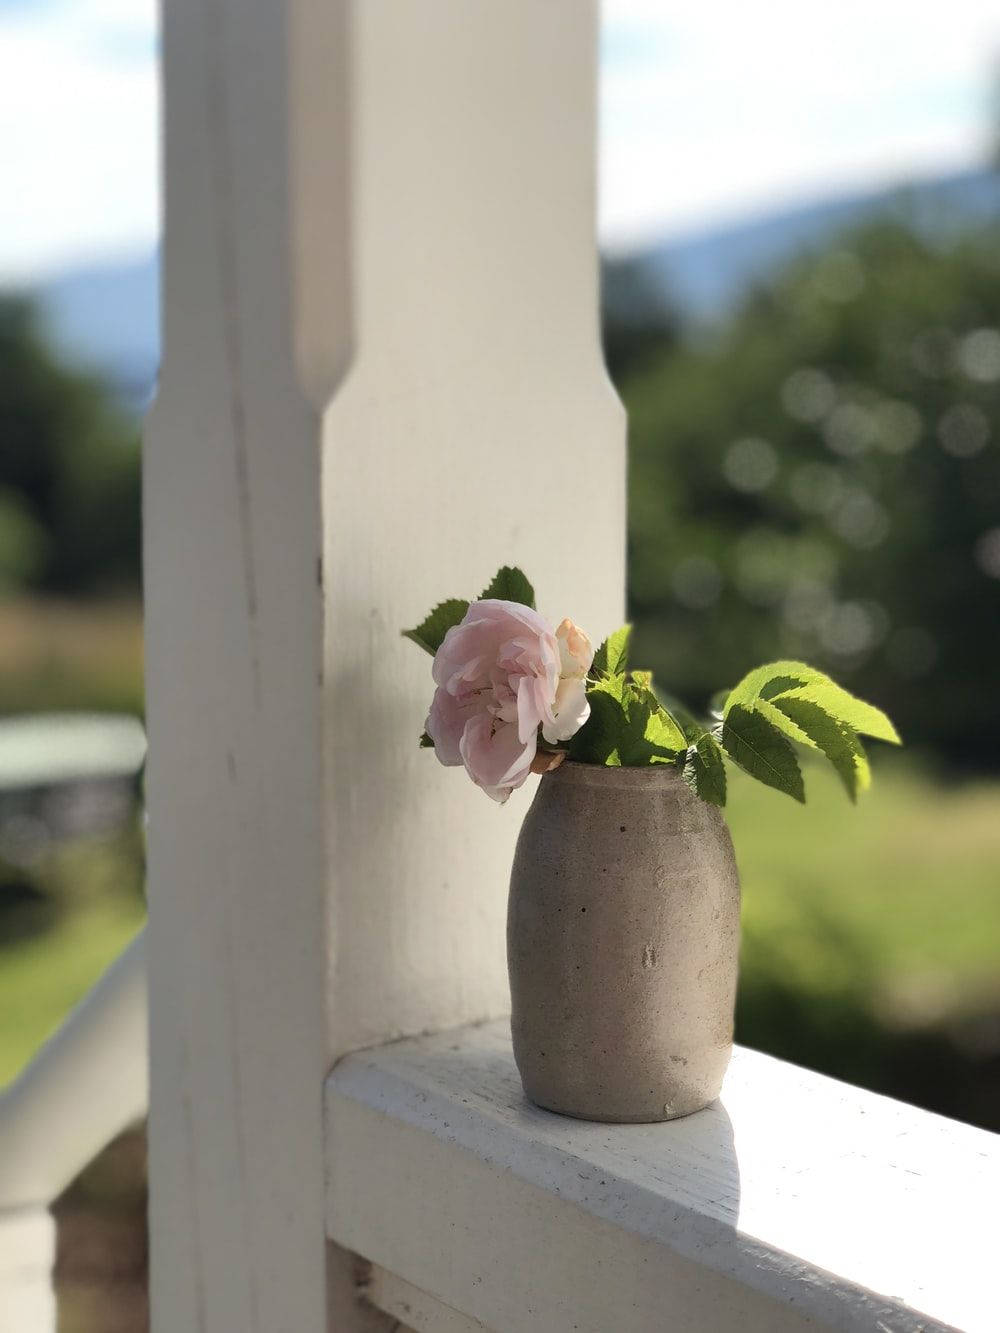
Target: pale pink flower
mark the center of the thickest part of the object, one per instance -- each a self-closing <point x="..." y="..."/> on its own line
<point x="570" y="708"/>
<point x="501" y="675"/>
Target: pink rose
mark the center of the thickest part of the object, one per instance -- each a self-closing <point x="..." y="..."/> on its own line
<point x="501" y="675"/>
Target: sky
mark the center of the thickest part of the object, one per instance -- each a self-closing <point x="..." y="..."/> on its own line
<point x="709" y="112"/>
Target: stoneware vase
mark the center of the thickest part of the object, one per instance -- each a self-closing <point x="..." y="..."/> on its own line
<point x="622" y="945"/>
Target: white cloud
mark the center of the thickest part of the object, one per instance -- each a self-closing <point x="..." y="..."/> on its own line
<point x="78" y="121"/>
<point x="743" y="108"/>
<point x="708" y="110"/>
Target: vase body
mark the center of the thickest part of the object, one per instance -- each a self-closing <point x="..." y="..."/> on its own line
<point x="622" y="945"/>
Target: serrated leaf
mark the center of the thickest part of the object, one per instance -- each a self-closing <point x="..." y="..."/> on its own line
<point x="754" y="744"/>
<point x="627" y="726"/>
<point x="756" y="681"/>
<point x="642" y="678"/>
<point x="651" y="736"/>
<point x="612" y="656"/>
<point x="509" y="584"/>
<point x="862" y="768"/>
<point x="806" y="722"/>
<point x="704" y="770"/>
<point x="777" y="679"/>
<point x="430" y="634"/>
<point x="425" y="742"/>
<point x="780" y="684"/>
<point x="784" y="723"/>
<point x="690" y="725"/>
<point x="862" y="717"/>
<point x="613" y="685"/>
<point x="661" y="729"/>
<point x="598" y="739"/>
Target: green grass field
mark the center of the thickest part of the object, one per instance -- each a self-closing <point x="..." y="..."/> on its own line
<point x="897" y="900"/>
<point x="98" y="908"/>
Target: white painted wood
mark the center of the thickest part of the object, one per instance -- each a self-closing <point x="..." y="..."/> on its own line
<point x="348" y="1303"/>
<point x="27" y="1253"/>
<point x="406" y="190"/>
<point x="415" y="1308"/>
<point x="476" y="427"/>
<point x="794" y="1202"/>
<point x="87" y="1084"/>
<point x="233" y="651"/>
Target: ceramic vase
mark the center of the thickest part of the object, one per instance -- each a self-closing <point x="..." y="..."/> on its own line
<point x="622" y="942"/>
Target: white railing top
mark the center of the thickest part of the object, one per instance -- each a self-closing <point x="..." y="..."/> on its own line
<point x="794" y="1199"/>
<point x="43" y="749"/>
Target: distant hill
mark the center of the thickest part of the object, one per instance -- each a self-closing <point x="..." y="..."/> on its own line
<point x="107" y="318"/>
<point x="704" y="273"/>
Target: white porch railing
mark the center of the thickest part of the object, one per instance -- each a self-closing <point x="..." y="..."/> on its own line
<point x="382" y="377"/>
<point x="87" y="1084"/>
<point x="794" y="1202"/>
<point x="90" y="1080"/>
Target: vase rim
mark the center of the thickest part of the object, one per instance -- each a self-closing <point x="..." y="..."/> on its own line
<point x="604" y="775"/>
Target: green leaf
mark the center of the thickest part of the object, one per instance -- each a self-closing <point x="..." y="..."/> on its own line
<point x="753" y="743"/>
<point x="784" y="678"/>
<point x="806" y="722"/>
<point x="754" y="682"/>
<point x="785" y="723"/>
<point x="613" y="685"/>
<point x="650" y="736"/>
<point x="430" y="634"/>
<point x="612" y="656"/>
<point x="627" y="726"/>
<point x="690" y="725"/>
<point x="862" y="717"/>
<point x="704" y="770"/>
<point x="509" y="585"/>
<point x="597" y="740"/>
<point x="425" y="742"/>
<point x="661" y="729"/>
<point x="642" y="678"/>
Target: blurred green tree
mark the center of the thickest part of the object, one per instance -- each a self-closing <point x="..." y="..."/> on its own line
<point x="638" y="321"/>
<point x="69" y="471"/>
<point x="820" y="477"/>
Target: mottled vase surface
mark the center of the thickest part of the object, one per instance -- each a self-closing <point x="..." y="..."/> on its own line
<point x="622" y="943"/>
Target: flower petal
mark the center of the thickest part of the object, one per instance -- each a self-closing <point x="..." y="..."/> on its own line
<point x="445" y="724"/>
<point x="570" y="711"/>
<point x="494" y="756"/>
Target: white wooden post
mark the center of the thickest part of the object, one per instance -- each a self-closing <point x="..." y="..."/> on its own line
<point x="382" y="379"/>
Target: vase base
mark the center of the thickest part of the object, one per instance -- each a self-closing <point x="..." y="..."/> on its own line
<point x="603" y="1116"/>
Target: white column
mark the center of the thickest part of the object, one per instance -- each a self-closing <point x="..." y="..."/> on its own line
<point x="477" y="427"/>
<point x="381" y="381"/>
<point x="234" y="659"/>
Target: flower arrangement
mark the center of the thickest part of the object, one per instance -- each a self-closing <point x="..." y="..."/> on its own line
<point x="514" y="696"/>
